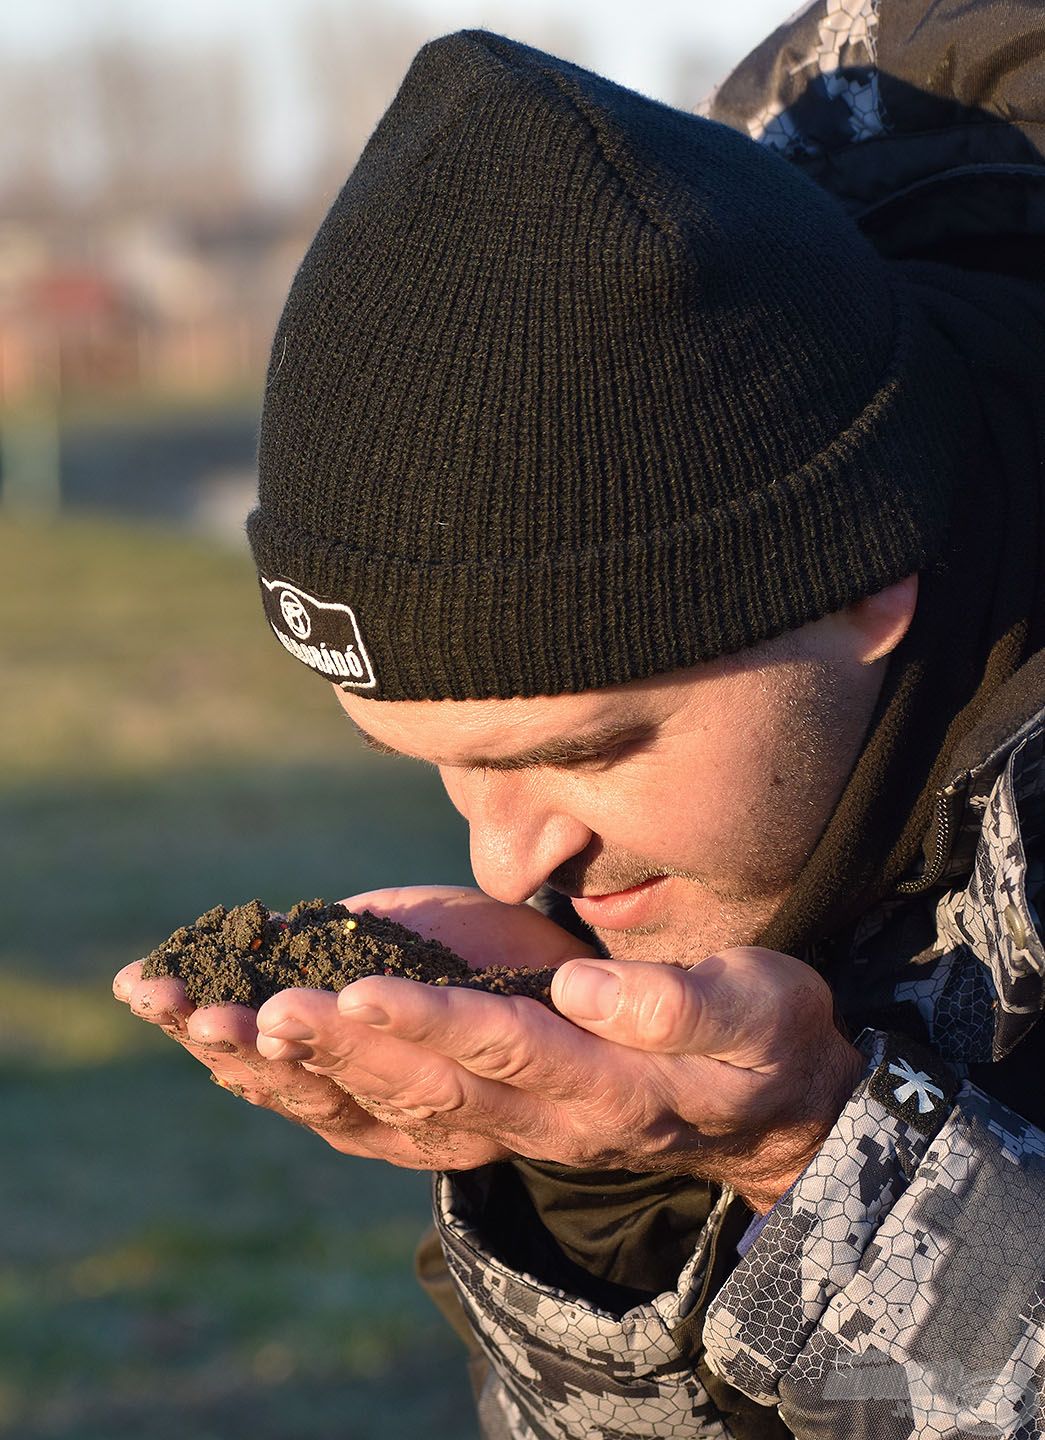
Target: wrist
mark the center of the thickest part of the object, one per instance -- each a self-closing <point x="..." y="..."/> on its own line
<point x="787" y="1152"/>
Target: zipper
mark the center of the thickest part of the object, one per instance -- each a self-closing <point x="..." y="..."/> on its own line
<point x="949" y="804"/>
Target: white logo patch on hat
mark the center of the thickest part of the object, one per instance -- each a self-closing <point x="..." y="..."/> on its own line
<point x="321" y="634"/>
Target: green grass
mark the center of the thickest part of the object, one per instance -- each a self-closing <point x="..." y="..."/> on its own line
<point x="130" y="651"/>
<point x="170" y="1247"/>
<point x="172" y="1262"/>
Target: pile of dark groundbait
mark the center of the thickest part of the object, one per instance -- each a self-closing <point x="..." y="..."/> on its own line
<point x="244" y="955"/>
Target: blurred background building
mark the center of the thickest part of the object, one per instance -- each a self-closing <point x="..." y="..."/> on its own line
<point x="173" y="1264"/>
<point x="161" y="171"/>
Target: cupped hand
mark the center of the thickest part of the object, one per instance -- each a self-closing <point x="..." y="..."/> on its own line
<point x="731" y="1069"/>
<point x="225" y="1039"/>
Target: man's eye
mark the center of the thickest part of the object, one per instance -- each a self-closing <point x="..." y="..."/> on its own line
<point x="600" y="759"/>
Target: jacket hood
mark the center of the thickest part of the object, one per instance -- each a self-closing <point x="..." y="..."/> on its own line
<point x="925" y="118"/>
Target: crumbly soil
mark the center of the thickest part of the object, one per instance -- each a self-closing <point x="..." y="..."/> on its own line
<point x="246" y="954"/>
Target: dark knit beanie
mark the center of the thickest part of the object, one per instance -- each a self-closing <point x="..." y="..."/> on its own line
<point x="573" y="388"/>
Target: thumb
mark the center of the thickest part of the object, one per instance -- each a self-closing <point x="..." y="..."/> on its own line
<point x="645" y="1005"/>
<point x="736" y="1005"/>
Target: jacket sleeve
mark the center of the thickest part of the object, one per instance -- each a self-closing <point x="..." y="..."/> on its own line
<point x="898" y="1289"/>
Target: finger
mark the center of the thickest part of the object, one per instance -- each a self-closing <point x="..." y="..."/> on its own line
<point x="162" y="1001"/>
<point x="225" y="1027"/>
<point x="126" y="979"/>
<point x="290" y="1021"/>
<point x="381" y="1133"/>
<point x="482" y="931"/>
<point x="380" y="1068"/>
<point x="349" y="1123"/>
<point x="306" y="1026"/>
<point x="646" y="1006"/>
<point x="512" y="1040"/>
<point x="320" y="1105"/>
<point x="729" y="1005"/>
<point x="223" y="1038"/>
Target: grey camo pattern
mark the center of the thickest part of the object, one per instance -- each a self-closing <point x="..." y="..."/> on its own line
<point x="996" y="916"/>
<point x="898" y="1290"/>
<point x="971" y="964"/>
<point x="839" y="60"/>
<point x="931" y="1310"/>
<point x="562" y="1368"/>
<point x="825" y="1223"/>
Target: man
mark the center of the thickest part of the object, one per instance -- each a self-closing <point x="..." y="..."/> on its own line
<point x="608" y="466"/>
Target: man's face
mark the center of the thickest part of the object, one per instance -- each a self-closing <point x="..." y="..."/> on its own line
<point x="676" y="811"/>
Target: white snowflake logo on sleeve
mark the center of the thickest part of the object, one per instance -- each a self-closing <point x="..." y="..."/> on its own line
<point x="915" y="1082"/>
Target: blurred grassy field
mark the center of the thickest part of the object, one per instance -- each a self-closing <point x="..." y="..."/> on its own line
<point x="173" y="1264"/>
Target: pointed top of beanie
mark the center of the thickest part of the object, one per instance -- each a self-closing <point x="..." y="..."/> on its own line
<point x="574" y="388"/>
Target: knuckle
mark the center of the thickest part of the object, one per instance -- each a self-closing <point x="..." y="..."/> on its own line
<point x="450" y="1099"/>
<point x="419" y="1112"/>
<point x="501" y="1061"/>
<point x="258" y="1098"/>
<point x="320" y="1109"/>
<point x="513" y="1053"/>
<point x="664" y="1015"/>
<point x="500" y="1051"/>
<point x="330" y="1066"/>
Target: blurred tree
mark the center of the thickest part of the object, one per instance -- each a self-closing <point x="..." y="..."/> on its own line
<point x="354" y="57"/>
<point x="172" y="126"/>
<point x="123" y="126"/>
<point x="36" y="103"/>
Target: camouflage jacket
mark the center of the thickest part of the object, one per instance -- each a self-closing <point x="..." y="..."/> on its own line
<point x="898" y="1289"/>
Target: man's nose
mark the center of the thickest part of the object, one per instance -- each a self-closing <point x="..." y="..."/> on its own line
<point x="518" y="835"/>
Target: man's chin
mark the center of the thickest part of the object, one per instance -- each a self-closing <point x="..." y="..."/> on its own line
<point x="674" y="942"/>
<point x="644" y="942"/>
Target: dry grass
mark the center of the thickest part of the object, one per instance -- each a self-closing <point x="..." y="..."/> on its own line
<point x="175" y="1264"/>
<point x="126" y="649"/>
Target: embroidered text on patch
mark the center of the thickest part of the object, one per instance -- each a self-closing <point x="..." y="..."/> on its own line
<point x="322" y="634"/>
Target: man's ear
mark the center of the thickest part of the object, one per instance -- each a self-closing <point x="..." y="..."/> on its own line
<point x="882" y="620"/>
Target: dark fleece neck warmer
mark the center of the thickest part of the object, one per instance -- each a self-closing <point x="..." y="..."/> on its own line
<point x="980" y="613"/>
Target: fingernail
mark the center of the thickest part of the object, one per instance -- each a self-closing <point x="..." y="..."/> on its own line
<point x="363" y="1014"/>
<point x="590" y="993"/>
<point x="269" y="1048"/>
<point x="290" y="1029"/>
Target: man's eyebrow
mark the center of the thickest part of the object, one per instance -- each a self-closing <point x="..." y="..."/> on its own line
<point x="560" y="751"/>
<point x="378" y="746"/>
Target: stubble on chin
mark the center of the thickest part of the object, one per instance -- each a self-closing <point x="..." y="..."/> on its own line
<point x="711" y="925"/>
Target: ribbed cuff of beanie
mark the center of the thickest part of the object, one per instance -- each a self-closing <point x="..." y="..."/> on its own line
<point x="867" y="511"/>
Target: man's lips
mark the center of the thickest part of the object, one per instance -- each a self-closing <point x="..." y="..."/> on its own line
<point x="620" y="909"/>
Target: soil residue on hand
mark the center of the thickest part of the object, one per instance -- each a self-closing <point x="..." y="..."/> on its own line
<point x="244" y="955"/>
